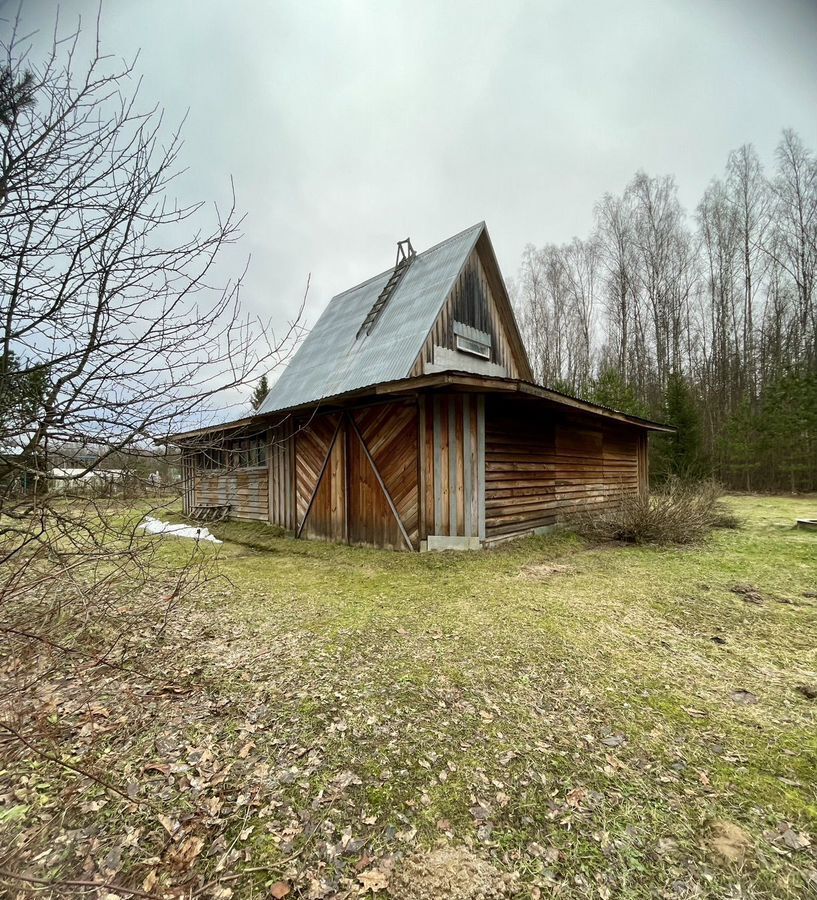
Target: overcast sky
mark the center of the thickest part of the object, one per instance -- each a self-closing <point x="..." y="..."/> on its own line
<point x="347" y="126"/>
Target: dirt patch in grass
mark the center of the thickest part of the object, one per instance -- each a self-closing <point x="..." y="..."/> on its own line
<point x="538" y="571"/>
<point x="728" y="842"/>
<point x="451" y="872"/>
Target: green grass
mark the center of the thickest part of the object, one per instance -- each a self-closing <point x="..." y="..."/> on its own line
<point x="478" y="700"/>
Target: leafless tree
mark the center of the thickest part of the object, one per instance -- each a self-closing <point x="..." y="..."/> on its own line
<point x="556" y="299"/>
<point x="118" y="328"/>
<point x="615" y="240"/>
<point x="795" y="248"/>
<point x="727" y="304"/>
<point x="748" y="194"/>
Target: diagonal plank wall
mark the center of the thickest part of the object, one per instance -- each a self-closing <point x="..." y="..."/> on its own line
<point x="356" y="476"/>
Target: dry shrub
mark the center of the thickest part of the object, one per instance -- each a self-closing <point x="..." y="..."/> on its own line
<point x="679" y="513"/>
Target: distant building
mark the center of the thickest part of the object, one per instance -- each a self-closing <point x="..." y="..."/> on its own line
<point x="97" y="480"/>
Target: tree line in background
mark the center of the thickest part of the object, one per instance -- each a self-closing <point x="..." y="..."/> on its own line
<point x="708" y="322"/>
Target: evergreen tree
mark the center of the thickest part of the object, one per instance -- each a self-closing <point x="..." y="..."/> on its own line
<point x="259" y="395"/>
<point x="680" y="455"/>
<point x="562" y="386"/>
<point x="22" y="388"/>
<point x="740" y="446"/>
<point x="611" y="390"/>
<point x="16" y="94"/>
<point x="788" y="430"/>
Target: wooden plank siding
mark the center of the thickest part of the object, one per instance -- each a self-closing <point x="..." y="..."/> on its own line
<point x="643" y="463"/>
<point x="520" y="469"/>
<point x="366" y="490"/>
<point x="454" y="460"/>
<point x="450" y="463"/>
<point x="246" y="492"/>
<point x="188" y="481"/>
<point x="470" y="302"/>
<point x="545" y="466"/>
<point x="281" y="463"/>
<point x="377" y="511"/>
<point x="320" y="478"/>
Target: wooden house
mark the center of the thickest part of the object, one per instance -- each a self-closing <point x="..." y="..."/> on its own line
<point x="409" y="419"/>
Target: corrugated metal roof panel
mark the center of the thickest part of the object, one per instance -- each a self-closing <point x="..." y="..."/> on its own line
<point x="332" y="361"/>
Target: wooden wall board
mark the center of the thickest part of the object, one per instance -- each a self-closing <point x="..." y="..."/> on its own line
<point x="366" y="489"/>
<point x="319" y="477"/>
<point x="188" y="481"/>
<point x="543" y="466"/>
<point x="450" y="463"/>
<point x="390" y="434"/>
<point x="453" y="474"/>
<point x="246" y="492"/>
<point x="281" y="464"/>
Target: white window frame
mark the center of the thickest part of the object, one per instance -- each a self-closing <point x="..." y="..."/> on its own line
<point x="475" y="348"/>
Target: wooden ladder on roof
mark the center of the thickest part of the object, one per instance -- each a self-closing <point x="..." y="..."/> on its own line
<point x="405" y="255"/>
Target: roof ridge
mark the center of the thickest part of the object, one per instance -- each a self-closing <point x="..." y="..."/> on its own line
<point x="330" y="358"/>
<point x="433" y="247"/>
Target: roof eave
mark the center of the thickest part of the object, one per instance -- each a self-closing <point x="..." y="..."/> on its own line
<point x="467" y="380"/>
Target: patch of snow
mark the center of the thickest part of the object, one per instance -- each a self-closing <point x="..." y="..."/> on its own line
<point x="196" y="533"/>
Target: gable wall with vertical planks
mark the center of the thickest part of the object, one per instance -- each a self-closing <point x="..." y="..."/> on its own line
<point x="472" y="303"/>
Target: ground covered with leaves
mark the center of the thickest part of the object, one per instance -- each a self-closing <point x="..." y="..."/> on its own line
<point x="551" y="718"/>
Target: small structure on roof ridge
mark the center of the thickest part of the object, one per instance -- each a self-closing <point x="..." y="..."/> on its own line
<point x="405" y="255"/>
<point x="405" y="252"/>
<point x="409" y="419"/>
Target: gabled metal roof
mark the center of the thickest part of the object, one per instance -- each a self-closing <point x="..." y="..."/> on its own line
<point x="332" y="360"/>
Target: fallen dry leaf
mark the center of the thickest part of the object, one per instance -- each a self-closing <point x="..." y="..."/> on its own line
<point x="576" y="797"/>
<point x="785" y="836"/>
<point x="374" y="880"/>
<point x="184" y="855"/>
<point x="170" y="825"/>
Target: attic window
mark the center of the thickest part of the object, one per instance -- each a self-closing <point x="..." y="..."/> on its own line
<point x="472" y="340"/>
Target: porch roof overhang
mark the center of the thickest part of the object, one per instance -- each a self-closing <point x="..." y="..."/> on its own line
<point x="464" y="381"/>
